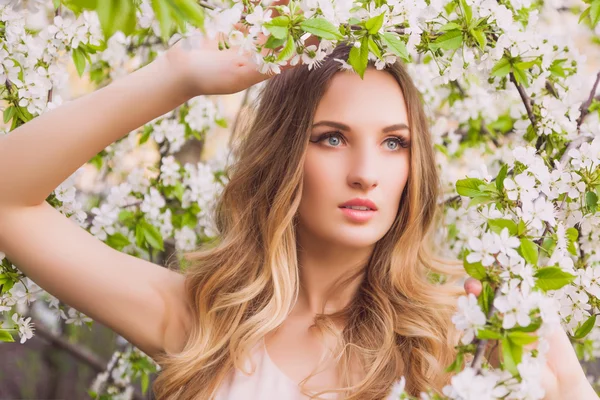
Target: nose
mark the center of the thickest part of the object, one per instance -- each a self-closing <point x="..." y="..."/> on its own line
<point x="363" y="170"/>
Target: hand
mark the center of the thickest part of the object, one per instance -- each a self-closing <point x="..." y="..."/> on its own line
<point x="203" y="69"/>
<point x="563" y="377"/>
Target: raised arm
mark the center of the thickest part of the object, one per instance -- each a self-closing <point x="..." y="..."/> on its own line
<point x="38" y="156"/>
<point x="143" y="302"/>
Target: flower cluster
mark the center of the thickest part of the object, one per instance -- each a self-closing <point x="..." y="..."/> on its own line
<point x="514" y="115"/>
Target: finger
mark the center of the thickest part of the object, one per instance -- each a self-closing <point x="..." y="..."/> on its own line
<point x="472" y="285"/>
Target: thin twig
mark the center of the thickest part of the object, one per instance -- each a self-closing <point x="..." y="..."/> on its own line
<point x="482" y="343"/>
<point x="585" y="106"/>
<point x="206" y="5"/>
<point x="525" y="98"/>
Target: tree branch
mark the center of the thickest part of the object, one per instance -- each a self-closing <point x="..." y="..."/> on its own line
<point x="78" y="352"/>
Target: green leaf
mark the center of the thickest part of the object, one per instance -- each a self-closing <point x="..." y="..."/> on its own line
<point x="79" y="60"/>
<point x="457" y="364"/>
<point x="359" y="57"/>
<point x="178" y="192"/>
<point x="467" y="12"/>
<point x="140" y="237"/>
<point x="529" y="251"/>
<point x="153" y="236"/>
<point x="273" y="42"/>
<point x="116" y="15"/>
<point x="479" y="37"/>
<point x="7" y="285"/>
<point x="374" y="24"/>
<point x="479" y="200"/>
<point x="521" y="338"/>
<point x="395" y="45"/>
<point x="476" y="270"/>
<point x="548" y="246"/>
<point x="521" y="228"/>
<point x="5" y="336"/>
<point x="450" y="40"/>
<point x="56" y="4"/>
<point x="511" y="355"/>
<point x="500" y="178"/>
<point x="162" y="13"/>
<point x="486" y="298"/>
<point x="374" y="48"/>
<point x="145" y="382"/>
<point x="520" y="76"/>
<point x="585" y="328"/>
<point x="595" y="12"/>
<point x="557" y="69"/>
<point x="83" y="4"/>
<point x="584" y="14"/>
<point x="222" y="122"/>
<point x="279" y="26"/>
<point x="572" y="234"/>
<point x="525" y="65"/>
<point x="148" y="129"/>
<point x="117" y="241"/>
<point x="450" y="26"/>
<point x="591" y="201"/>
<point x="193" y="12"/>
<point x="9" y="113"/>
<point x="488" y="187"/>
<point x="502" y="68"/>
<point x="97" y="161"/>
<point x="496" y="225"/>
<point x="487" y="334"/>
<point x="288" y="51"/>
<point x="552" y="278"/>
<point x="189" y="219"/>
<point x="125" y="215"/>
<point x="322" y="28"/>
<point x="469" y="187"/>
<point x="534" y="326"/>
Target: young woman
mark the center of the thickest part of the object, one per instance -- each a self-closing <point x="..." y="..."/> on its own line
<point x="302" y="289"/>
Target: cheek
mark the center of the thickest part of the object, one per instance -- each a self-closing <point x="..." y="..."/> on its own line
<point x="395" y="182"/>
<point x="319" y="190"/>
<point x="319" y="178"/>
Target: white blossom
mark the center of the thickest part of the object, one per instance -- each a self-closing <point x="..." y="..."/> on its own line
<point x="469" y="317"/>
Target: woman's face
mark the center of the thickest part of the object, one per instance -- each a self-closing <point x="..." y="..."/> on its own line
<point x="366" y="157"/>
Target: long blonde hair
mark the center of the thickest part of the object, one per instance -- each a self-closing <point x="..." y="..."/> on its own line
<point x="244" y="284"/>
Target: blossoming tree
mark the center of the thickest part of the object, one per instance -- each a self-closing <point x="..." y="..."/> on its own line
<point x="514" y="112"/>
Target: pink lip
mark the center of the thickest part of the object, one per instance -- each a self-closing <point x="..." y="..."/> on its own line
<point x="358" y="215"/>
<point x="360" y="202"/>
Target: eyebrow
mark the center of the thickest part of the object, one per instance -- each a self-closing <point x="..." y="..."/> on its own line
<point x="344" y="127"/>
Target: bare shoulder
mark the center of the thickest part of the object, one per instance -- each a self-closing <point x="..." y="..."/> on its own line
<point x="141" y="301"/>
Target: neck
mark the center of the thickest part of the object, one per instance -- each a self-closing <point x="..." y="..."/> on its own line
<point x="321" y="266"/>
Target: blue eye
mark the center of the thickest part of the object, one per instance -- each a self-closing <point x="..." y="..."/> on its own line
<point x="400" y="141"/>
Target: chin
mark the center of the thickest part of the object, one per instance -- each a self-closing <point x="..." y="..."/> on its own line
<point x="357" y="237"/>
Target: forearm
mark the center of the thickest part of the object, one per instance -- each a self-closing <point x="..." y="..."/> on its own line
<point x="36" y="157"/>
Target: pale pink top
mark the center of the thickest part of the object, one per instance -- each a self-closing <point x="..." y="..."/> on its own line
<point x="267" y="382"/>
